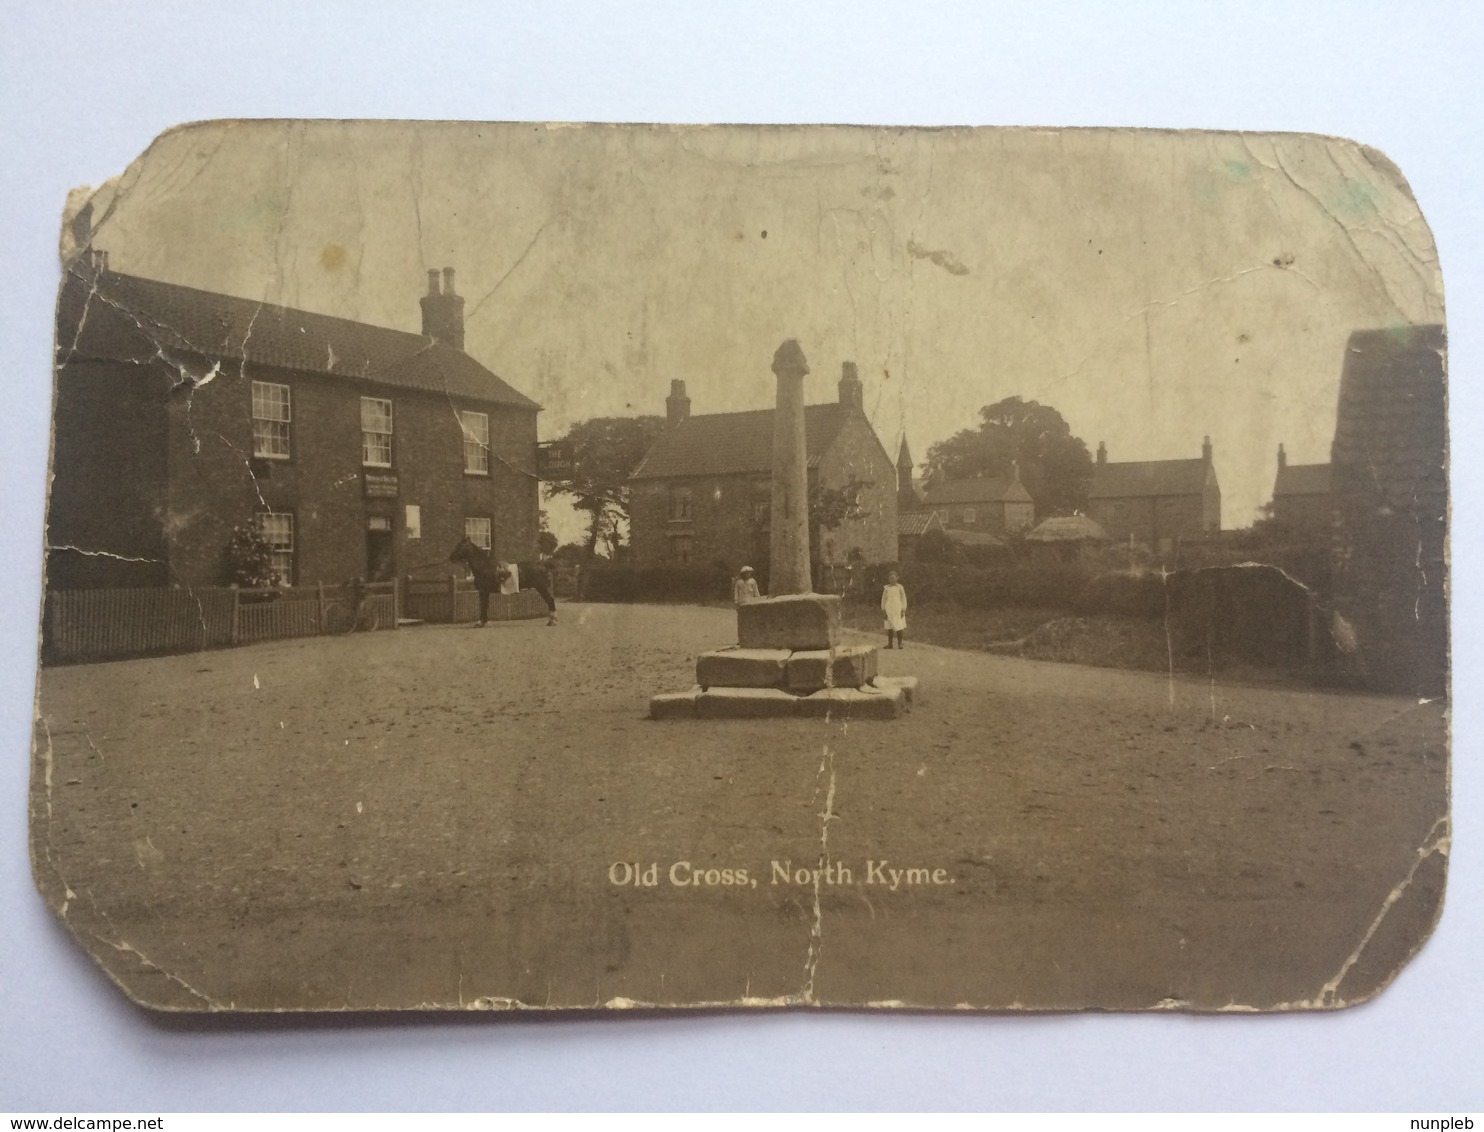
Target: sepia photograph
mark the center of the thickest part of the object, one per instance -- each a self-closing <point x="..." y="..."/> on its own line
<point x="537" y="567"/>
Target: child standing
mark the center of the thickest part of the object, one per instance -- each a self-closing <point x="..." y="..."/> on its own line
<point x="894" y="606"/>
<point x="744" y="587"/>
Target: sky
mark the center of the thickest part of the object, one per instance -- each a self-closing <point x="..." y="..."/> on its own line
<point x="1155" y="287"/>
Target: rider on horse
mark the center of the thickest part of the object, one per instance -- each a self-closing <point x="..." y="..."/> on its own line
<point x="489" y="576"/>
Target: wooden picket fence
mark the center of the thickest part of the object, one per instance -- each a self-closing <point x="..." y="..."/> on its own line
<point x="81" y="626"/>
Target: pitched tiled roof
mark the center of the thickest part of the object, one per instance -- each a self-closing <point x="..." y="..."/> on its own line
<point x="917" y="522"/>
<point x="1000" y="489"/>
<point x="124" y="317"/>
<point x="1135" y="478"/>
<point x="1302" y="479"/>
<point x="1068" y="528"/>
<point x="719" y="444"/>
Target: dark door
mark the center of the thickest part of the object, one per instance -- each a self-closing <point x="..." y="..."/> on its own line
<point x="381" y="564"/>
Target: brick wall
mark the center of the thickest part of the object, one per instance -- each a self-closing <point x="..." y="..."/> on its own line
<point x="179" y="473"/>
<point x="857" y="454"/>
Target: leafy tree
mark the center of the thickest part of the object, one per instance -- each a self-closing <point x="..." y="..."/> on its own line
<point x="249" y="559"/>
<point x="604" y="452"/>
<point x="1055" y="466"/>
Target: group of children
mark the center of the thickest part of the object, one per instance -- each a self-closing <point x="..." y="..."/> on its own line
<point x="893" y="602"/>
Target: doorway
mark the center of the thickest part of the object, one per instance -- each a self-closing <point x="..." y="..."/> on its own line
<point x="381" y="549"/>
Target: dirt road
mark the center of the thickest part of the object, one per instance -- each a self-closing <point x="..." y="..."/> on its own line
<point x="448" y="816"/>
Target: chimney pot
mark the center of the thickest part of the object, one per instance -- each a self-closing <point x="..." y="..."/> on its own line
<point x="677" y="405"/>
<point x="852" y="393"/>
<point x="443" y="312"/>
<point x="1282" y="457"/>
<point x="1102" y="452"/>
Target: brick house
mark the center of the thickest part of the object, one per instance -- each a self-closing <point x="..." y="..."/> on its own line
<point x="1301" y="496"/>
<point x="991" y="505"/>
<point x="703" y="492"/>
<point x="1389" y="475"/>
<point x="1155" y="502"/>
<point x="358" y="450"/>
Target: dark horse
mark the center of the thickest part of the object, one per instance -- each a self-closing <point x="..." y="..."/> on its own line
<point x="488" y="574"/>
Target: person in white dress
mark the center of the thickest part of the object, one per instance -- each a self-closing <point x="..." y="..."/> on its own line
<point x="744" y="587"/>
<point x="894" y="606"/>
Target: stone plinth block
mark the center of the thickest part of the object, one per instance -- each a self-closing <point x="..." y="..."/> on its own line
<point x="674" y="705"/>
<point x="741" y="668"/>
<point x="746" y="703"/>
<point x="848" y="666"/>
<point x="908" y="685"/>
<point x="854" y="703"/>
<point x="794" y="621"/>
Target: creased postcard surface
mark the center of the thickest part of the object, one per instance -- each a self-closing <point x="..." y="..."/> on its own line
<point x="550" y="567"/>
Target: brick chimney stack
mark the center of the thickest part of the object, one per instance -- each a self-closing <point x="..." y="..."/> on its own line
<point x="1206" y="449"/>
<point x="443" y="311"/>
<point x="1282" y="458"/>
<point x="1102" y="453"/>
<point x="852" y="392"/>
<point x="677" y="405"/>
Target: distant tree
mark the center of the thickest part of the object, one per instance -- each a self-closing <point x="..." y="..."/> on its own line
<point x="605" y="451"/>
<point x="1055" y="466"/>
<point x="546" y="543"/>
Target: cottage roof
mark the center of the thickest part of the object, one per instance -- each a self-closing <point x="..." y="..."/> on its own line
<point x="1000" y="489"/>
<point x="126" y="318"/>
<point x="917" y="522"/>
<point x="719" y="444"/>
<point x="1069" y="528"/>
<point x="1302" y="479"/>
<point x="1133" y="478"/>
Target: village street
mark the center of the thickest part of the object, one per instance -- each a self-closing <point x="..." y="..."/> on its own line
<point x="438" y="815"/>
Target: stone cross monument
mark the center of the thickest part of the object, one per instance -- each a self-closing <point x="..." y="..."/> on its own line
<point x="788" y="546"/>
<point x="789" y="660"/>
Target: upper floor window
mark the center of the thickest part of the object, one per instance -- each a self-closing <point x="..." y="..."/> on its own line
<point x="270" y="420"/>
<point x="968" y="515"/>
<point x="476" y="428"/>
<point x="680" y="501"/>
<point x="376" y="432"/>
<point x="278" y="532"/>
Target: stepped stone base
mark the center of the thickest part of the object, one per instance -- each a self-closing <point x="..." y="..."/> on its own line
<point x="849" y="666"/>
<point x="674" y="705"/>
<point x="908" y="685"/>
<point x="775" y="703"/>
<point x="853" y="703"/>
<point x="794" y="622"/>
<point x="744" y="703"/>
<point x="741" y="668"/>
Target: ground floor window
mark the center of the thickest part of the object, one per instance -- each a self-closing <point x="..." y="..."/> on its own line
<point x="278" y="531"/>
<point x="480" y="531"/>
<point x="680" y="549"/>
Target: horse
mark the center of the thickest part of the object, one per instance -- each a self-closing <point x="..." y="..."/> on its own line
<point x="489" y="574"/>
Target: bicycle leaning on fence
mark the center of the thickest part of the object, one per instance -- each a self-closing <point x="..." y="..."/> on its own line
<point x="355" y="612"/>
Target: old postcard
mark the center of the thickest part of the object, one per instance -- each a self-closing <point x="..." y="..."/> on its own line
<point x="534" y="567"/>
